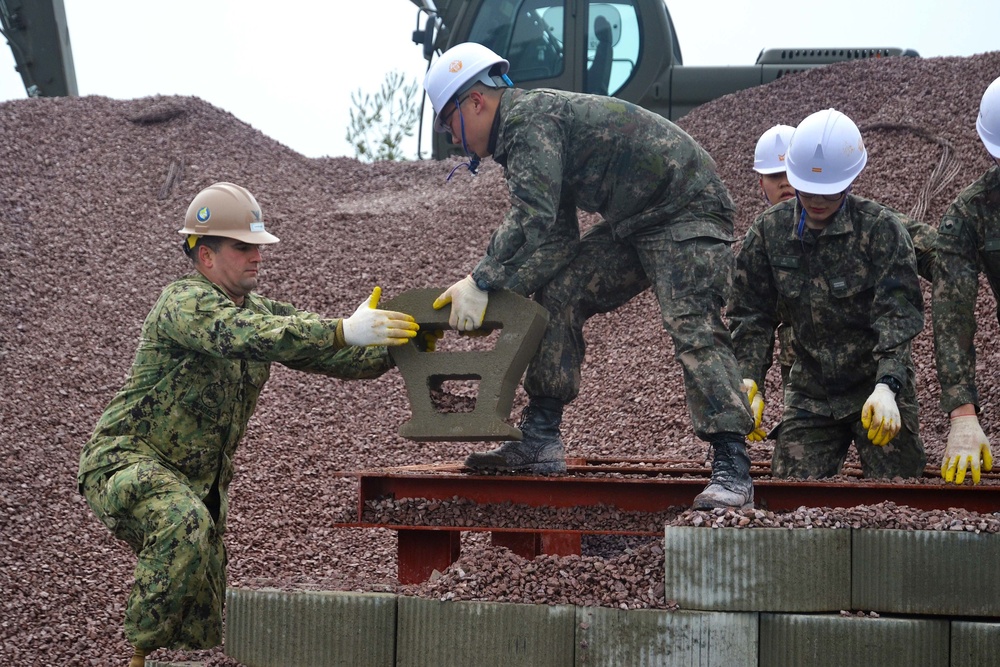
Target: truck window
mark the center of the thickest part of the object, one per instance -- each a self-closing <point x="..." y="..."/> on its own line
<point x="519" y="30"/>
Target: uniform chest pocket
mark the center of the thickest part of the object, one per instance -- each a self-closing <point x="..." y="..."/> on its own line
<point x="788" y="277"/>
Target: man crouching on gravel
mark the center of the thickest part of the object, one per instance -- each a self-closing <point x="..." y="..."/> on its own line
<point x="157" y="468"/>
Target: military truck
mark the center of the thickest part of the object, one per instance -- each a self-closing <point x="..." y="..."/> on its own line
<point x="625" y="48"/>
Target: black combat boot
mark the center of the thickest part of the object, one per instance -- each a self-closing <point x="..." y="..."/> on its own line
<point x="540" y="449"/>
<point x="730" y="485"/>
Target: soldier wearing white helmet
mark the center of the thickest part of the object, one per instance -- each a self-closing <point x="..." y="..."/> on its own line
<point x="667" y="223"/>
<point x="845" y="279"/>
<point x="769" y="162"/>
<point x="157" y="468"/>
<point x="967" y="245"/>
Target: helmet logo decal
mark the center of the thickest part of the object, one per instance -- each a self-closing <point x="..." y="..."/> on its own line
<point x="817" y="170"/>
<point x="256" y="226"/>
<point x="781" y="157"/>
<point x="455" y="66"/>
<point x="204" y="214"/>
<point x="256" y="215"/>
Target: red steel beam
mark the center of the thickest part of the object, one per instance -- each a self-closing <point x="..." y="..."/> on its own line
<point x="421" y="549"/>
<point x="654" y="495"/>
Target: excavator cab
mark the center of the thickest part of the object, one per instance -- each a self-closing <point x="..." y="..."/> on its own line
<point x="591" y="46"/>
<point x="624" y="48"/>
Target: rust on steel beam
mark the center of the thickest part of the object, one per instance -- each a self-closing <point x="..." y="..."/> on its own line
<point x="651" y="487"/>
<point x="648" y="494"/>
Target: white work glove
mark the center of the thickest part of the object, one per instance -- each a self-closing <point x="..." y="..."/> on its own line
<point x="967" y="446"/>
<point x="756" y="408"/>
<point x="369" y="326"/>
<point x="468" y="304"/>
<point x="881" y="415"/>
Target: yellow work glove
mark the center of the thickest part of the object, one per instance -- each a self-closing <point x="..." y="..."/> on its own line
<point x="881" y="415"/>
<point x="967" y="446"/>
<point x="370" y="326"/>
<point x="468" y="304"/>
<point x="756" y="408"/>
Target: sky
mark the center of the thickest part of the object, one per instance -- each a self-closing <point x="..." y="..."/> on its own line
<point x="289" y="69"/>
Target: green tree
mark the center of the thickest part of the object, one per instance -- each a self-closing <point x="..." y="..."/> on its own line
<point x="380" y="122"/>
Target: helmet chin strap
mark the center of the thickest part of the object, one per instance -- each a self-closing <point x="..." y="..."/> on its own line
<point x="474" y="160"/>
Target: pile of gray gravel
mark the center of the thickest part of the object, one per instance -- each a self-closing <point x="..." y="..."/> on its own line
<point x="92" y="191"/>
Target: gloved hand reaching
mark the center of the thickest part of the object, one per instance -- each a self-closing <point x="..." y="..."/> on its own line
<point x="880" y="415"/>
<point x="369" y="326"/>
<point x="756" y="408"/>
<point x="967" y="446"/>
<point x="468" y="304"/>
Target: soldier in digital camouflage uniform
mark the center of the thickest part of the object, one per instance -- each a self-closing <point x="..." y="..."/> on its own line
<point x="968" y="243"/>
<point x="769" y="163"/>
<point x="667" y="224"/>
<point x="842" y="270"/>
<point x="157" y="468"/>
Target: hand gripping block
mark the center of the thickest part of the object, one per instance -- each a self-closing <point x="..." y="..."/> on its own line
<point x="521" y="323"/>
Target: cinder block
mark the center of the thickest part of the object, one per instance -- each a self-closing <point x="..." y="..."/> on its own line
<point x="521" y="323"/>
<point x="758" y="569"/>
<point x="273" y="628"/>
<point x="655" y="638"/>
<point x="974" y="644"/>
<point x="789" y="640"/>
<point x="432" y="633"/>
<point x="926" y="572"/>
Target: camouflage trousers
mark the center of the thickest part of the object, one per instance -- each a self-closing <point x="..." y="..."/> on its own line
<point x="179" y="584"/>
<point x="689" y="264"/>
<point x="810" y="445"/>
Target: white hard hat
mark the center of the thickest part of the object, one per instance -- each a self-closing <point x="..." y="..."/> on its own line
<point x="769" y="156"/>
<point x="456" y="70"/>
<point x="988" y="123"/>
<point x="825" y="154"/>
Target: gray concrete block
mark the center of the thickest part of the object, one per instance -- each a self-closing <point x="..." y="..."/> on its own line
<point x="655" y="638"/>
<point x="758" y="569"/>
<point x="926" y="572"/>
<point x="789" y="640"/>
<point x="432" y="633"/>
<point x="974" y="644"/>
<point x="521" y="322"/>
<point x="273" y="628"/>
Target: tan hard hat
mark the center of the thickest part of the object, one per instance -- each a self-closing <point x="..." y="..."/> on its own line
<point x="226" y="209"/>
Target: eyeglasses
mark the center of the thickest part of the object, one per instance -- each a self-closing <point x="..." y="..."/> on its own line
<point x="836" y="197"/>
<point x="445" y="122"/>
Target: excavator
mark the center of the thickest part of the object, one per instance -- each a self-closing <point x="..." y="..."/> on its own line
<point x="38" y="35"/>
<point x="625" y="48"/>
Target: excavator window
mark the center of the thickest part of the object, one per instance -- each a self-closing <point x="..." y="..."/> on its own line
<point x="519" y="31"/>
<point x="613" y="45"/>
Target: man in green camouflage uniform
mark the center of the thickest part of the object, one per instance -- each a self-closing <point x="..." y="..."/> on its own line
<point x="157" y="468"/>
<point x="667" y="224"/>
<point x="842" y="271"/>
<point x="968" y="243"/>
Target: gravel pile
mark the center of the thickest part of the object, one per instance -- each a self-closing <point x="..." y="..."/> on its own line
<point x="91" y="193"/>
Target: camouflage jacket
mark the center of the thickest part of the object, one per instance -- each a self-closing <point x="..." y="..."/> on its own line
<point x="199" y="368"/>
<point x="565" y="151"/>
<point x="851" y="294"/>
<point x="968" y="243"/>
